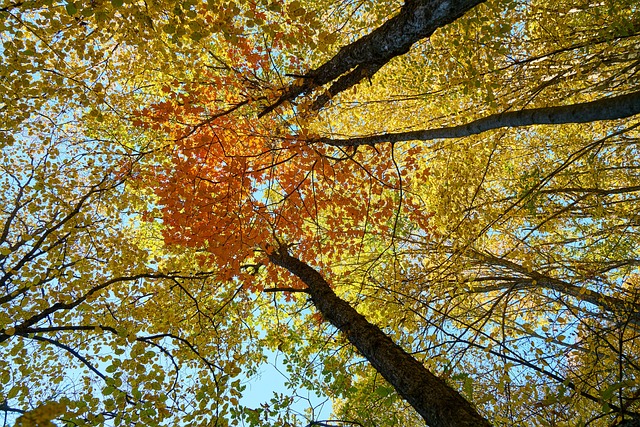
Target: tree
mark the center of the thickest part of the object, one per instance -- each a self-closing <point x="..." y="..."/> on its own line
<point x="501" y="259"/>
<point x="75" y="265"/>
<point x="90" y="319"/>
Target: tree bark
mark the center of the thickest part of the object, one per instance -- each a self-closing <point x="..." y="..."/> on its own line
<point x="418" y="19"/>
<point x="439" y="404"/>
<point x="617" y="107"/>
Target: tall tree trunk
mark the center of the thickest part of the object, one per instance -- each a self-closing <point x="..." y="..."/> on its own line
<point x="613" y="108"/>
<point x="418" y="19"/>
<point x="439" y="404"/>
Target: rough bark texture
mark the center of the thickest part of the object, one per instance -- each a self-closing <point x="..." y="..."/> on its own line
<point x="617" y="107"/>
<point x="418" y="19"/>
<point x="439" y="404"/>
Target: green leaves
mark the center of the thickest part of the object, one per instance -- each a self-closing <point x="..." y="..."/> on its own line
<point x="71" y="8"/>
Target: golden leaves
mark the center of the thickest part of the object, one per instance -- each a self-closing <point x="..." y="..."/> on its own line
<point x="113" y="108"/>
<point x="42" y="416"/>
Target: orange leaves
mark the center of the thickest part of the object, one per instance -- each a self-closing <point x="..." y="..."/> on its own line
<point x="232" y="187"/>
<point x="208" y="193"/>
<point x="232" y="183"/>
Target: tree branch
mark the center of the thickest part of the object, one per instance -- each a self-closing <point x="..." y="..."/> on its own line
<point x="606" y="302"/>
<point x="286" y="290"/>
<point x="617" y="107"/>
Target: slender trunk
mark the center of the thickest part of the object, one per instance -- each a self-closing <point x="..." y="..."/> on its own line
<point x="606" y="302"/>
<point x="418" y="19"/>
<point x="439" y="404"/>
<point x="616" y="107"/>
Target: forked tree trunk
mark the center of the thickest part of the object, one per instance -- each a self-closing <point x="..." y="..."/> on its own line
<point x="439" y="404"/>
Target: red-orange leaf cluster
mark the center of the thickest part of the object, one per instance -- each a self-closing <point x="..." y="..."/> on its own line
<point x="236" y="183"/>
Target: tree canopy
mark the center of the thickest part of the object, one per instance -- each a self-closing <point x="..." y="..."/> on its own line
<point x="429" y="209"/>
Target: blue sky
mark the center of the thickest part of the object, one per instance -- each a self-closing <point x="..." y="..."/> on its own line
<point x="271" y="379"/>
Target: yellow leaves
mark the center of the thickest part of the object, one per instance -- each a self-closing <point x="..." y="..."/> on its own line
<point x="71" y="8"/>
<point x="295" y="9"/>
<point x="5" y="376"/>
<point x="13" y="392"/>
<point x="42" y="416"/>
<point x="344" y="209"/>
<point x="327" y="38"/>
<point x="527" y="264"/>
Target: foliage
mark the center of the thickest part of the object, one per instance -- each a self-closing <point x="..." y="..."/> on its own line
<point x="149" y="168"/>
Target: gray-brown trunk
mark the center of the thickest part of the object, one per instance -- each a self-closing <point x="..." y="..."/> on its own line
<point x="438" y="403"/>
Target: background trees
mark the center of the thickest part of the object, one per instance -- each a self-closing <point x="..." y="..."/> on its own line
<point x="91" y="313"/>
<point x="504" y="261"/>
